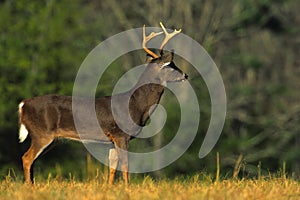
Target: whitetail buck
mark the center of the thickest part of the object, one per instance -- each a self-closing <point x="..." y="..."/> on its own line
<point x="48" y="117"/>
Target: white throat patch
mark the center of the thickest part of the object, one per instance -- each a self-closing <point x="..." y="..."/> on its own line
<point x="165" y="64"/>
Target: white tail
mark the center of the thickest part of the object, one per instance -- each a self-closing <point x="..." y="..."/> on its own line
<point x="23" y="132"/>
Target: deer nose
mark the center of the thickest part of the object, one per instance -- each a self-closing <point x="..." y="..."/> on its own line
<point x="186" y="76"/>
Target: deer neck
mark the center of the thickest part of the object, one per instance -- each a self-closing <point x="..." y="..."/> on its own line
<point x="145" y="94"/>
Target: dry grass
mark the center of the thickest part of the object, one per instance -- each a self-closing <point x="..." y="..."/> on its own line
<point x="190" y="188"/>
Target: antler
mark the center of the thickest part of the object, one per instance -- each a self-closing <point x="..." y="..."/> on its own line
<point x="167" y="37"/>
<point x="146" y="39"/>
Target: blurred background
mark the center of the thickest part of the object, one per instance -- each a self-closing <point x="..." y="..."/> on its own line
<point x="255" y="44"/>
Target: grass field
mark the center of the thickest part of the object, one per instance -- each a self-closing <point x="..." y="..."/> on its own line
<point x="195" y="187"/>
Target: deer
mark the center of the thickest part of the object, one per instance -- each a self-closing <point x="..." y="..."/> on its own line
<point x="48" y="117"/>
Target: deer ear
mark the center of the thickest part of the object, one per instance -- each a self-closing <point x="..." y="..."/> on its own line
<point x="167" y="56"/>
<point x="149" y="58"/>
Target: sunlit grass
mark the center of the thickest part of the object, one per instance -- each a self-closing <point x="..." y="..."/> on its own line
<point x="196" y="187"/>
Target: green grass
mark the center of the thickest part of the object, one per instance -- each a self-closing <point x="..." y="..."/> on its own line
<point x="196" y="187"/>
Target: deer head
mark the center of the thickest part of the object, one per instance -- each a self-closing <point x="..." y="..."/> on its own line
<point x="163" y="68"/>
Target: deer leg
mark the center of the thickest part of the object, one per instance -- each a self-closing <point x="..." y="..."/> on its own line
<point x="33" y="152"/>
<point x="124" y="166"/>
<point x="122" y="147"/>
<point x="113" y="164"/>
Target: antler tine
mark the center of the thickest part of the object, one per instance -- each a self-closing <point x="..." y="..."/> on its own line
<point x="146" y="39"/>
<point x="168" y="36"/>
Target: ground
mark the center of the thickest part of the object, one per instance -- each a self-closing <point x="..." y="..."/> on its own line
<point x="179" y="188"/>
